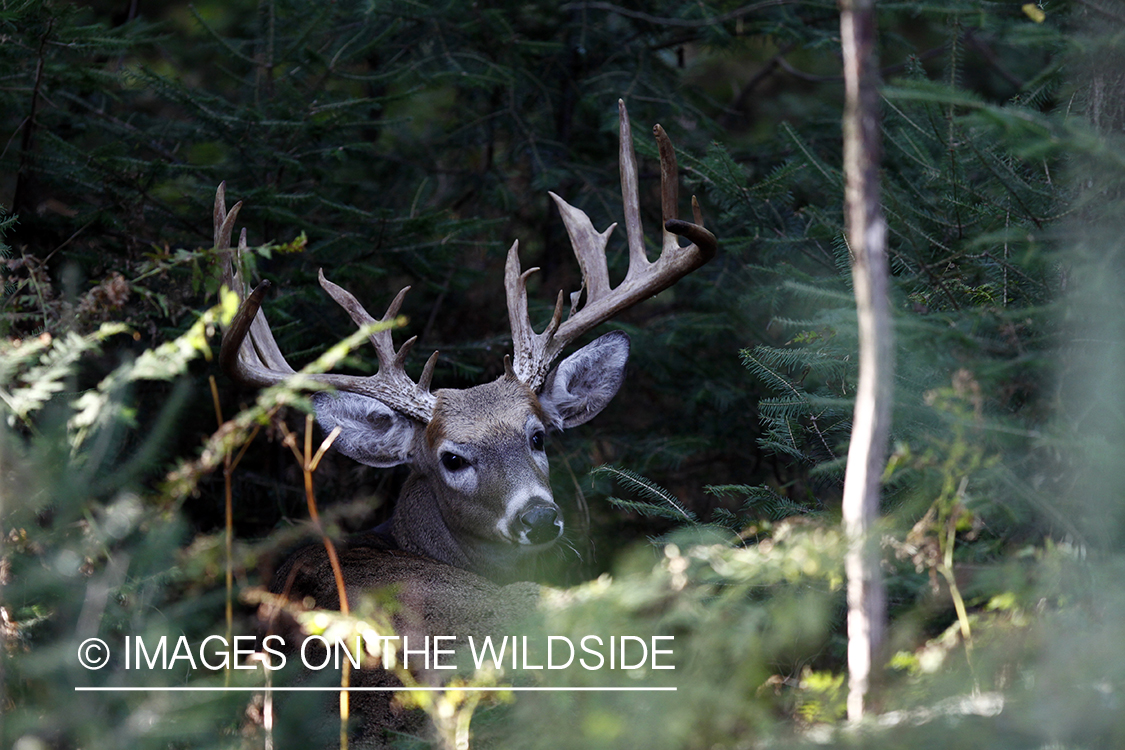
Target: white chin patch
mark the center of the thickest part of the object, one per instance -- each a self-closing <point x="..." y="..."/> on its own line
<point x="519" y="502"/>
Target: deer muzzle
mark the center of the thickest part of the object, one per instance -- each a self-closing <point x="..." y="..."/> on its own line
<point x="540" y="524"/>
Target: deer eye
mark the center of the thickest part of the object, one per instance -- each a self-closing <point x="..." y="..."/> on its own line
<point x="453" y="462"/>
<point x="537" y="441"/>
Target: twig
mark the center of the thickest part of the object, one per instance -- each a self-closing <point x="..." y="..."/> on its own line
<point x="29" y="130"/>
<point x="308" y="462"/>
<point x="229" y="523"/>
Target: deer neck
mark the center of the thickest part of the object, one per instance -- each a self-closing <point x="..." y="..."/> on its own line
<point x="418" y="527"/>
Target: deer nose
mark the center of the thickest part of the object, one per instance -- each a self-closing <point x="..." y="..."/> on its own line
<point x="541" y="524"/>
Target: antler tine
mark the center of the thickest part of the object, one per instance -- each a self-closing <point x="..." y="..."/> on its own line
<point x="390" y="384"/>
<point x="242" y="362"/>
<point x="534" y="353"/>
<point x="703" y="242"/>
<point x="669" y="185"/>
<point x="427" y="373"/>
<point x="250" y="354"/>
<point x="381" y="340"/>
<point x="630" y="194"/>
<point x="224" y="222"/>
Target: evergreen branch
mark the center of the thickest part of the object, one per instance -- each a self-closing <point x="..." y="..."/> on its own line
<point x="661" y="501"/>
<point x="679" y="22"/>
<point x="772" y="442"/>
<point x="1011" y="191"/>
<point x="834" y="176"/>
<point x="906" y="118"/>
<point x="818" y="292"/>
<point x="765" y="372"/>
<point x="219" y="38"/>
<point x="759" y="499"/>
<point x="649" y="510"/>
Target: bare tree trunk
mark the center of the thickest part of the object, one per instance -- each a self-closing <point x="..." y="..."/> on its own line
<point x="866" y="232"/>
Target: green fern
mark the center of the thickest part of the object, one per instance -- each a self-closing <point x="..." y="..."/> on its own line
<point x="32" y="372"/>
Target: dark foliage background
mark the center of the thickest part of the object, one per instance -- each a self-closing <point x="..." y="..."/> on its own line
<point x="395" y="143"/>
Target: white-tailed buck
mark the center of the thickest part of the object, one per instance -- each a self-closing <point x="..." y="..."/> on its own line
<point x="477" y="499"/>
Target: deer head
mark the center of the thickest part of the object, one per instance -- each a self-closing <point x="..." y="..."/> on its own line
<point x="478" y="495"/>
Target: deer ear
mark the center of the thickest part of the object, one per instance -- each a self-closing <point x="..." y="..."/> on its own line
<point x="585" y="382"/>
<point x="370" y="431"/>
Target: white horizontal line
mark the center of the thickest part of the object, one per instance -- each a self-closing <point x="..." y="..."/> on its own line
<point x="319" y="689"/>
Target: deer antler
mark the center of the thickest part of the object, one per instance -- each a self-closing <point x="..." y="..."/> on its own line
<point x="535" y="352"/>
<point x="250" y="355"/>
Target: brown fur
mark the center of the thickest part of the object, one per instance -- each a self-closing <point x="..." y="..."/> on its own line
<point x="434" y="599"/>
<point x="482" y="412"/>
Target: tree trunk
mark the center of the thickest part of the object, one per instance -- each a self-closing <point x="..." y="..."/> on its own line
<point x="866" y="232"/>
